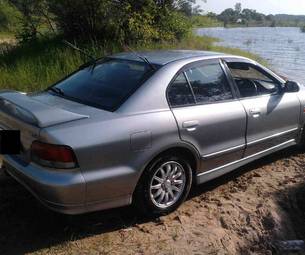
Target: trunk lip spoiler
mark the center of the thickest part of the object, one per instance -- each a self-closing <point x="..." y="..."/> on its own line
<point x="31" y="111"/>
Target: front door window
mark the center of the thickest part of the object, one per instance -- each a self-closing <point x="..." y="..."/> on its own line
<point x="252" y="81"/>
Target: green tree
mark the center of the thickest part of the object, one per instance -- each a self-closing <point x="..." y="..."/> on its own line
<point x="238" y="8"/>
<point x="35" y="15"/>
<point x="107" y="21"/>
<point x="212" y="15"/>
<point x="122" y="21"/>
<point x="187" y="7"/>
<point x="228" y="16"/>
<point x="249" y="14"/>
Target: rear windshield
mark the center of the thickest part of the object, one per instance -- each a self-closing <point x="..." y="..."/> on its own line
<point x="107" y="84"/>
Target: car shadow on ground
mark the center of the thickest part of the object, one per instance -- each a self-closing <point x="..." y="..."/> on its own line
<point x="26" y="226"/>
<point x="286" y="153"/>
<point x="293" y="202"/>
<point x="285" y="235"/>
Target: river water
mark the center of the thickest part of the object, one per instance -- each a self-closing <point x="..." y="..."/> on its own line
<point x="282" y="47"/>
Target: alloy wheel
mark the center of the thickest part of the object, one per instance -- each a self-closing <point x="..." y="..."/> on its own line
<point x="167" y="184"/>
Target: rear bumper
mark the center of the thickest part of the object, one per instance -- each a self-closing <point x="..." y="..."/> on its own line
<point x="60" y="190"/>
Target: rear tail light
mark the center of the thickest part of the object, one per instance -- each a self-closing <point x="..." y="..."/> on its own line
<point x="53" y="156"/>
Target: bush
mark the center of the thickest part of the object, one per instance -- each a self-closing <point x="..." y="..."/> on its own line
<point x="9" y="16"/>
<point x="105" y="21"/>
<point x="86" y="19"/>
<point x="173" y="26"/>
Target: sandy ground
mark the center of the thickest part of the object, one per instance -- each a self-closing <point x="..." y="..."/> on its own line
<point x="241" y="213"/>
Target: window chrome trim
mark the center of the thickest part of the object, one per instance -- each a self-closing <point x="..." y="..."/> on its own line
<point x="258" y="68"/>
<point x="260" y="96"/>
<point x="224" y="74"/>
<point x="190" y="86"/>
<point x="202" y="104"/>
<point x="216" y="60"/>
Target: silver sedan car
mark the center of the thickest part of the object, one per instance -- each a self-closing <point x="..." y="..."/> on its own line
<point x="145" y="127"/>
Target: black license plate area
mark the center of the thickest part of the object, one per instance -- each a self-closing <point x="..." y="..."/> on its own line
<point x="10" y="142"/>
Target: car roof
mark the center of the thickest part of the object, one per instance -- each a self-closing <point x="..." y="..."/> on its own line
<point x="163" y="57"/>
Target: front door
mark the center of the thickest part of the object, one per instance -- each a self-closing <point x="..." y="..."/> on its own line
<point x="273" y="116"/>
<point x="207" y="113"/>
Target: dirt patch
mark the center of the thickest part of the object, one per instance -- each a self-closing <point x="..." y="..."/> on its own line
<point x="6" y="44"/>
<point x="8" y="40"/>
<point x="241" y="213"/>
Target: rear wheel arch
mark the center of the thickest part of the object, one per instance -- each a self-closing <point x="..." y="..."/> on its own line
<point x="183" y="156"/>
<point x="187" y="152"/>
<point x="191" y="155"/>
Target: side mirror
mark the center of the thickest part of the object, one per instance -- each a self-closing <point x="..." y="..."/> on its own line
<point x="291" y="86"/>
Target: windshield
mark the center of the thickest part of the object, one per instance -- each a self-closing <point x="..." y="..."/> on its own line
<point x="106" y="84"/>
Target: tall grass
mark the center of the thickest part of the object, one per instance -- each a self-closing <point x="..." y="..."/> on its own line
<point x="35" y="66"/>
<point x="6" y="35"/>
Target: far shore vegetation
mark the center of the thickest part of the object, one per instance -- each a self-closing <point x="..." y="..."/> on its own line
<point x="33" y="55"/>
<point x="239" y="17"/>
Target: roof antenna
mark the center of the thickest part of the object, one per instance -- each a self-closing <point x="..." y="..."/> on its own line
<point x="93" y="59"/>
<point x="141" y="57"/>
<point x="80" y="50"/>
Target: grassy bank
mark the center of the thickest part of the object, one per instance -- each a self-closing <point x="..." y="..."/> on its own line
<point x="205" y="21"/>
<point x="37" y="65"/>
<point x="6" y="35"/>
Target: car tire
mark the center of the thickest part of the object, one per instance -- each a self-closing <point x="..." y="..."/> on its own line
<point x="158" y="194"/>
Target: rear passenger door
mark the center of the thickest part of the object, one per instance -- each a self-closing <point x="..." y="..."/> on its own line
<point x="208" y="114"/>
<point x="273" y="115"/>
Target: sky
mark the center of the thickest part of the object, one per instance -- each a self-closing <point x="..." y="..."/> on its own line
<point x="296" y="7"/>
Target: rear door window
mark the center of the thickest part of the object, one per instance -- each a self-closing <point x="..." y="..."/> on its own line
<point x="179" y="92"/>
<point x="209" y="83"/>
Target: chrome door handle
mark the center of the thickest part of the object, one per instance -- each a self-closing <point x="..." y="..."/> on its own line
<point x="255" y="112"/>
<point x="190" y="125"/>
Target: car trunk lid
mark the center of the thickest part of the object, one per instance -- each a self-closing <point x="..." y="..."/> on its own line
<point x="21" y="112"/>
